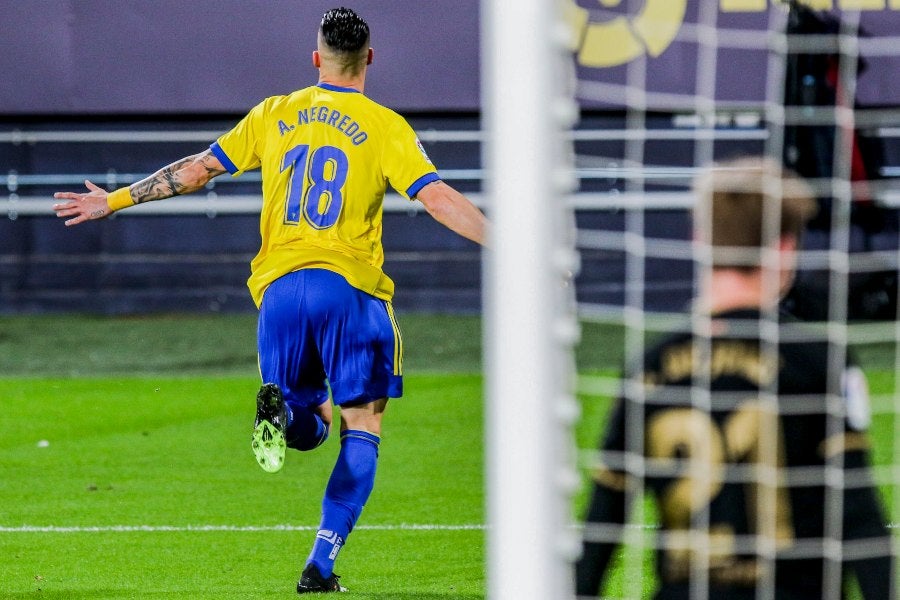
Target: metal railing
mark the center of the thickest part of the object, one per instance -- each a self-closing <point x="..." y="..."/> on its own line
<point x="221" y="196"/>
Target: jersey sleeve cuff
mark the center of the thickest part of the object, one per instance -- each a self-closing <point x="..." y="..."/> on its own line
<point x="223" y="158"/>
<point x="421" y="182"/>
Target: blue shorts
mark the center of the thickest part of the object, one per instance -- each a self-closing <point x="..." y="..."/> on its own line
<point x="317" y="331"/>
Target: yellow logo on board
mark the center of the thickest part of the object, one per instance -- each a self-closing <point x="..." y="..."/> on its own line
<point x="653" y="29"/>
<point x="615" y="42"/>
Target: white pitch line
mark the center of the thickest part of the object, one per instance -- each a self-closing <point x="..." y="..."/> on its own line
<point x="250" y="528"/>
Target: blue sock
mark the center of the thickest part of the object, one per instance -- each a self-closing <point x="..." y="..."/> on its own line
<point x="305" y="429"/>
<point x="347" y="491"/>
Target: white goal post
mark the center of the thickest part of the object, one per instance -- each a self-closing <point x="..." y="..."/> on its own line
<point x="530" y="323"/>
<point x="681" y="111"/>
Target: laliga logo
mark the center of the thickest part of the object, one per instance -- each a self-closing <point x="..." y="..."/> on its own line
<point x="654" y="27"/>
<point x="610" y="43"/>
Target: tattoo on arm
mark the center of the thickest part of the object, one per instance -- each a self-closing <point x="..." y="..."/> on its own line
<point x="181" y="177"/>
<point x="211" y="164"/>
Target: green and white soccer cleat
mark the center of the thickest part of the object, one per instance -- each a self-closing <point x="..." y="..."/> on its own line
<point x="267" y="440"/>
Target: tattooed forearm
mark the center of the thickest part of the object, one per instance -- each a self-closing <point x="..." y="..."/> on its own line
<point x="162" y="184"/>
<point x="181" y="177"/>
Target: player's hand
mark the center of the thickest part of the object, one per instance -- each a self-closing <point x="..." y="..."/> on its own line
<point x="88" y="206"/>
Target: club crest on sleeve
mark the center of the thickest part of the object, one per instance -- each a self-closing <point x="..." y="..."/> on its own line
<point x="422" y="149"/>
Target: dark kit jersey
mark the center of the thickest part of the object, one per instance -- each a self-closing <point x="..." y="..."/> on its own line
<point x="735" y="435"/>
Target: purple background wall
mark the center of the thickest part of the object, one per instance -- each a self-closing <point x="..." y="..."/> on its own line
<point x="170" y="56"/>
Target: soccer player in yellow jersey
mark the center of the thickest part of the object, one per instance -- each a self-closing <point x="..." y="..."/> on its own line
<point x="327" y="154"/>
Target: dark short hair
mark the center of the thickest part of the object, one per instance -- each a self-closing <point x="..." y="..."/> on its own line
<point x="748" y="204"/>
<point x="344" y="31"/>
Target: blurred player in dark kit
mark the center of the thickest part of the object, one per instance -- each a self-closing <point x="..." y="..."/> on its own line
<point x="752" y="439"/>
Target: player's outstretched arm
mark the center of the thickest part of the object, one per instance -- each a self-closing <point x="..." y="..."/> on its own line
<point x="181" y="177"/>
<point x="454" y="211"/>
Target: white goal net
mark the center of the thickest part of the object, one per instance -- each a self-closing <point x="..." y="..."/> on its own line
<point x="666" y="88"/>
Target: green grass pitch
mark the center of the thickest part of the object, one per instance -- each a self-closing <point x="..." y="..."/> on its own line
<point x="125" y="469"/>
<point x="143" y="485"/>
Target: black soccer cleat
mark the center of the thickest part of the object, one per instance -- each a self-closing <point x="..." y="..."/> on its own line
<point x="312" y="582"/>
<point x="267" y="441"/>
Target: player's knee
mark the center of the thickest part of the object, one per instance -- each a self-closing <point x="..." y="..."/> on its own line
<point x="306" y="430"/>
<point x="363" y="416"/>
<point x="305" y="443"/>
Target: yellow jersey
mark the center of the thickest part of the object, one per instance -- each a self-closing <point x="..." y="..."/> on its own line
<point x="327" y="154"/>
